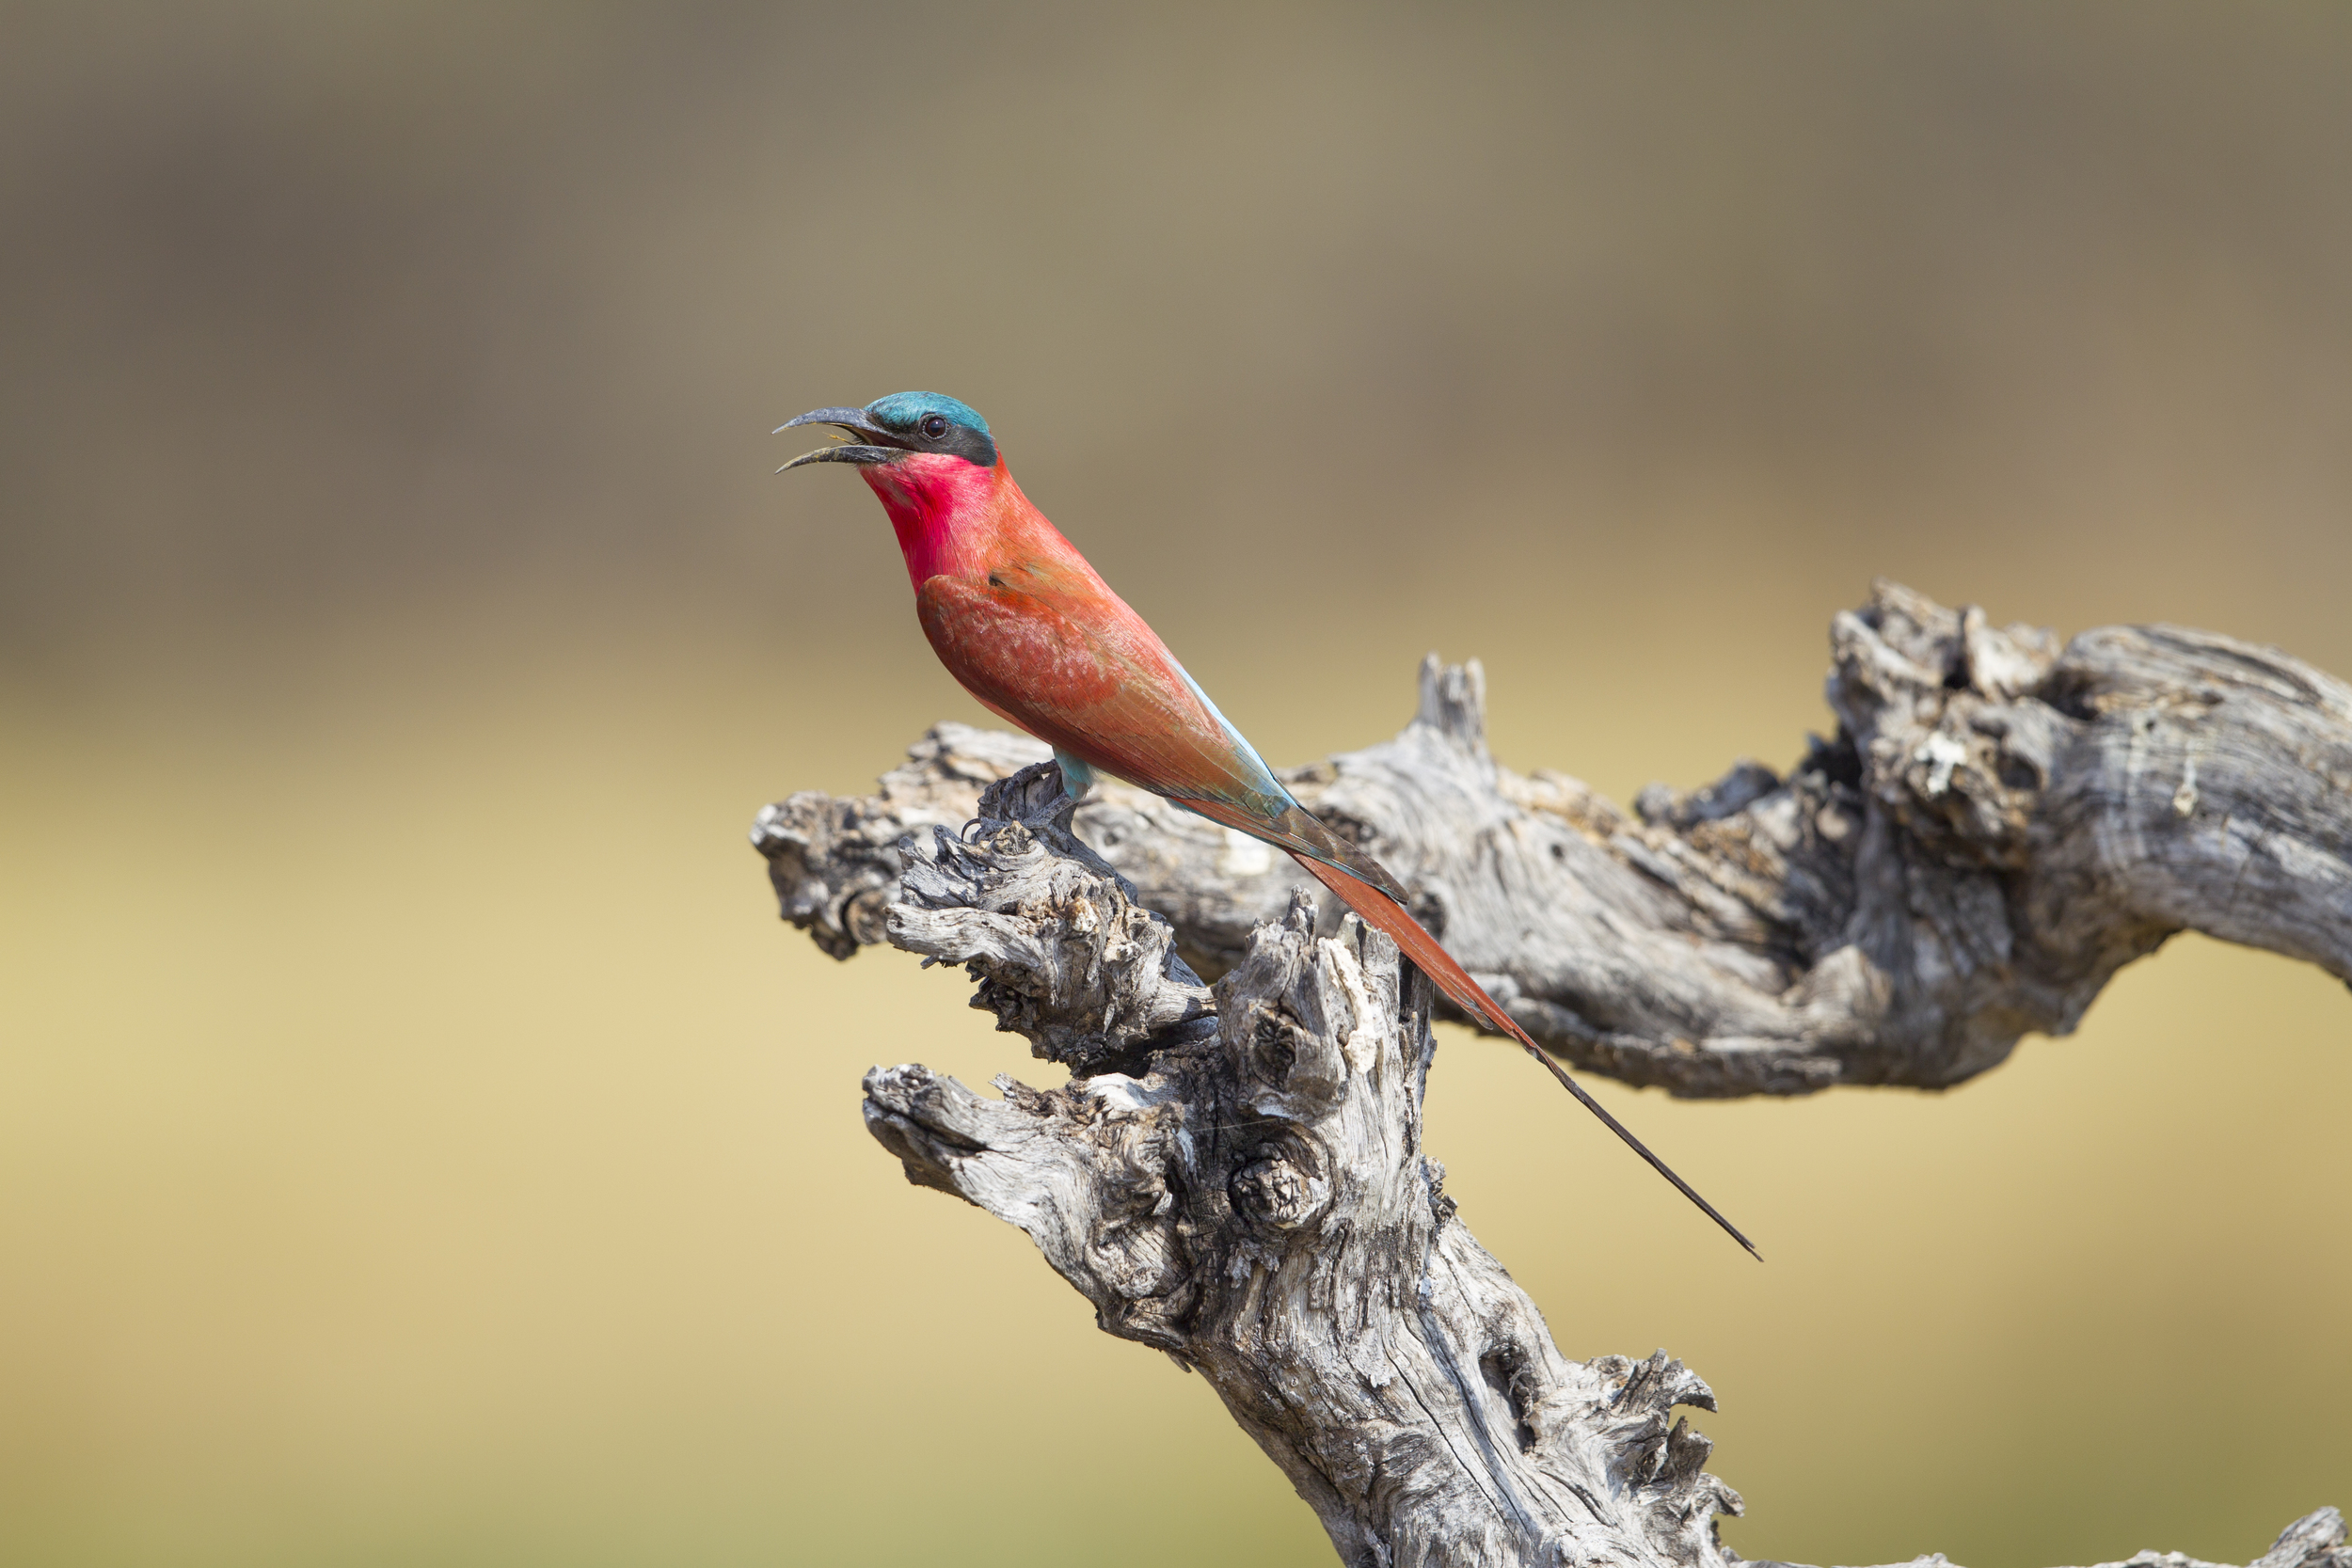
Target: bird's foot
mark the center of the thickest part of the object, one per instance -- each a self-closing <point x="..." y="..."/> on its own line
<point x="1037" y="796"/>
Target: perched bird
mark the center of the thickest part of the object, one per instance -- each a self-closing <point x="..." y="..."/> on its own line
<point x="1017" y="615"/>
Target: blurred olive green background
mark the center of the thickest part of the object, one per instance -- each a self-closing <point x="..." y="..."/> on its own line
<point x="418" y="1142"/>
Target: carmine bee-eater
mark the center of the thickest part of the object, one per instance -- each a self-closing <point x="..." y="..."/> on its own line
<point x="1017" y="615"/>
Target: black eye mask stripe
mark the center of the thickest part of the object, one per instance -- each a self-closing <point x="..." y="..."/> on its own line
<point x="958" y="441"/>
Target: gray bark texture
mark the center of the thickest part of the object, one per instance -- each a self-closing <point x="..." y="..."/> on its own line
<point x="1996" y="828"/>
<point x="1234" y="1173"/>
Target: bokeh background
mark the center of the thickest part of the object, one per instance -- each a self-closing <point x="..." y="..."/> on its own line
<point x="418" y="1142"/>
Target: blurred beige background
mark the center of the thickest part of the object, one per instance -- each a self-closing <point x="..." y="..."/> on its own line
<point x="419" y="1142"/>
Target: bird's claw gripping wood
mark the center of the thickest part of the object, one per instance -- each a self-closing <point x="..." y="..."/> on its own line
<point x="1037" y="795"/>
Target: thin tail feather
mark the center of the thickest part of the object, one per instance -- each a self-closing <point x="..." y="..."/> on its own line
<point x="1305" y="838"/>
<point x="1386" y="915"/>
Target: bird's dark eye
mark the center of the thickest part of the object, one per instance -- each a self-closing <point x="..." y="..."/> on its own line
<point x="934" y="426"/>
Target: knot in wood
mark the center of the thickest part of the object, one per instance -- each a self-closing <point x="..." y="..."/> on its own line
<point x="1282" y="1186"/>
<point x="1275" y="1038"/>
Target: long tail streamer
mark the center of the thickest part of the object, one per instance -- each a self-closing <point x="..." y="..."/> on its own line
<point x="1386" y="915"/>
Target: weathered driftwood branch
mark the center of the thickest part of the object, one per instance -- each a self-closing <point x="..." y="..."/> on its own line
<point x="1995" y="828"/>
<point x="1237" y="1178"/>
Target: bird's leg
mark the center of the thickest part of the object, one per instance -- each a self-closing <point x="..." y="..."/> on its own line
<point x="1076" y="780"/>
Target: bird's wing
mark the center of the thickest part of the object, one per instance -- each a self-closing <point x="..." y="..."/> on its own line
<point x="1087" y="676"/>
<point x="1068" y="661"/>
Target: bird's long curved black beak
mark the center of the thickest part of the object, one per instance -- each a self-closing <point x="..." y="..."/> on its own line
<point x="873" y="444"/>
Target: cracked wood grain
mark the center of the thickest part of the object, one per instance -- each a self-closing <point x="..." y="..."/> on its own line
<point x="1997" y="826"/>
<point x="1234" y="1175"/>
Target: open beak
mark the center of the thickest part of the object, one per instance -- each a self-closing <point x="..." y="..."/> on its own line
<point x="870" y="442"/>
